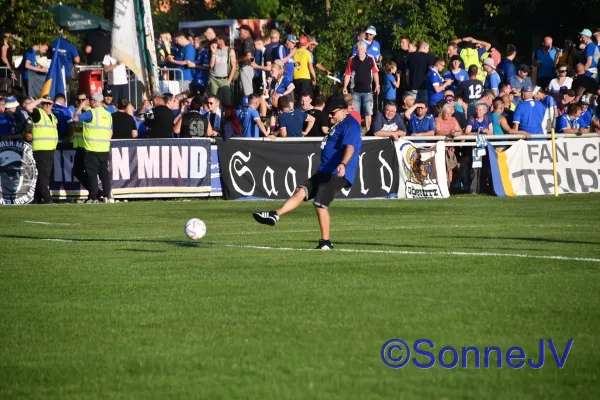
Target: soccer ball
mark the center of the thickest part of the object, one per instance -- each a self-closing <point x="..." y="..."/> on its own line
<point x="195" y="229"/>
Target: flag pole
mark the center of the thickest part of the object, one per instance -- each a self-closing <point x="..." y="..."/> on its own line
<point x="554" y="167"/>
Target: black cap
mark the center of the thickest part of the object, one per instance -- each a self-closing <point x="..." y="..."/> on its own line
<point x="246" y="27"/>
<point x="107" y="92"/>
<point x="335" y="103"/>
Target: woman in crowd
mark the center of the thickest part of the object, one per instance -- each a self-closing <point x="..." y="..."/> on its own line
<point x="446" y="124"/>
<point x="562" y="82"/>
<point x="232" y="125"/>
<point x="6" y="57"/>
<point x="480" y="123"/>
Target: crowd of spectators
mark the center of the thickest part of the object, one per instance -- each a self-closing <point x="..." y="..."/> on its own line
<point x="471" y="89"/>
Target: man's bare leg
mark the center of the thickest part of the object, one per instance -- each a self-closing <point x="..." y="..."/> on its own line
<point x="293" y="202"/>
<point x="324" y="221"/>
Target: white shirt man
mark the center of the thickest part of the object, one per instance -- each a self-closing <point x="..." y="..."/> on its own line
<point x="117" y="78"/>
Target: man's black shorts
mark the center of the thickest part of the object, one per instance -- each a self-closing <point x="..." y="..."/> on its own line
<point x="323" y="187"/>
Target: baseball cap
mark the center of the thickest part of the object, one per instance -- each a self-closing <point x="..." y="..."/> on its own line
<point x="335" y="103"/>
<point x="291" y="38"/>
<point x="97" y="97"/>
<point x="455" y="57"/>
<point x="245" y="101"/>
<point x="371" y="30"/>
<point x="586" y="32"/>
<point x="107" y="92"/>
<point x="11" y="102"/>
<point x="10" y="158"/>
<point x="489" y="62"/>
<point x="585" y="99"/>
<point x="527" y="88"/>
<point x="245" y="27"/>
<point x="303" y="41"/>
<point x="48" y="98"/>
<point x="536" y="89"/>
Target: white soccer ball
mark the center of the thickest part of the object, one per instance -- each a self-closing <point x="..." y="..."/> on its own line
<point x="195" y="229"/>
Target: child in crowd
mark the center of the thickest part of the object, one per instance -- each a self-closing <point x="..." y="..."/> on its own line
<point x="391" y="83"/>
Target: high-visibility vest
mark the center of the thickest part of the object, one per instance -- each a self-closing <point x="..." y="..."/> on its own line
<point x="77" y="135"/>
<point x="45" y="132"/>
<point x="471" y="57"/>
<point x="97" y="134"/>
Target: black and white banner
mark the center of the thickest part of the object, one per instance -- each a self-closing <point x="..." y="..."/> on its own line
<point x="18" y="174"/>
<point x="422" y="171"/>
<point x="144" y="168"/>
<point x="261" y="169"/>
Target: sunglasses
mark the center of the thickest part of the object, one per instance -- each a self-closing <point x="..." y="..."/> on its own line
<point x="211" y="103"/>
<point x="332" y="113"/>
<point x="80" y="100"/>
<point x="562" y="71"/>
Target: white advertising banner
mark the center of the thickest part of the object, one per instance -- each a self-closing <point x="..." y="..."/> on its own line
<point x="526" y="167"/>
<point x="422" y="171"/>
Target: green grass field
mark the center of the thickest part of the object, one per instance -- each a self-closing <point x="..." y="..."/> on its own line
<point x="124" y="306"/>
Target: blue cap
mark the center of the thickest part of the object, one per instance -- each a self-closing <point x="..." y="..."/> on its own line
<point x="11" y="102"/>
<point x="291" y="38"/>
<point x="245" y="101"/>
<point x="527" y="88"/>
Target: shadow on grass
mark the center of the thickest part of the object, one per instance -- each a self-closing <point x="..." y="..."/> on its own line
<point x="540" y="240"/>
<point x="143" y="251"/>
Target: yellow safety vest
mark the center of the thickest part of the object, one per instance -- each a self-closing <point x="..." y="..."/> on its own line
<point x="471" y="57"/>
<point x="45" y="132"/>
<point x="97" y="134"/>
<point x="77" y="135"/>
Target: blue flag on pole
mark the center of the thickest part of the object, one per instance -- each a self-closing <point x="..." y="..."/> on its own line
<point x="55" y="82"/>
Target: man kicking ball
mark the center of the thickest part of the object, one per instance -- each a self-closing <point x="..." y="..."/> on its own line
<point x="339" y="161"/>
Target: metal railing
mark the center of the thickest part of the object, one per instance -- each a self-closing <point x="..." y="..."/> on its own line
<point x="5" y="72"/>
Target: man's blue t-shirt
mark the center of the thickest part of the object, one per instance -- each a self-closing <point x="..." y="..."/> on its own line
<point x="416" y="125"/>
<point x="30" y="55"/>
<point x="530" y="115"/>
<point x="282" y="52"/>
<point x="292" y="121"/>
<point x="388" y="87"/>
<point x="186" y="53"/>
<point x="566" y="122"/>
<point x="492" y="81"/>
<point x="67" y="53"/>
<point x="591" y="50"/>
<point x="110" y="108"/>
<point x="64" y="118"/>
<point x="458" y="78"/>
<point x="434" y="77"/>
<point x="346" y="133"/>
<point x="248" y="117"/>
<point x="382" y="124"/>
<point x="585" y="119"/>
<point x="373" y="49"/>
<point x="546" y="68"/>
<point x="506" y="69"/>
<point x="200" y="75"/>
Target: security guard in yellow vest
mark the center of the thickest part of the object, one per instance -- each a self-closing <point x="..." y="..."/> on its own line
<point x="78" y="162"/>
<point x="97" y="132"/>
<point x="44" y="138"/>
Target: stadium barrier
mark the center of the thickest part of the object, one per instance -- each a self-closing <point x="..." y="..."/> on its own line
<point x="5" y="73"/>
<point x="264" y="168"/>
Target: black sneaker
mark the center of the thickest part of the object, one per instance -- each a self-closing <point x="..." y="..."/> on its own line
<point x="325" y="245"/>
<point x="266" y="217"/>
